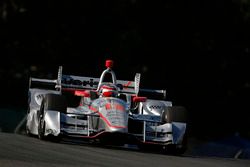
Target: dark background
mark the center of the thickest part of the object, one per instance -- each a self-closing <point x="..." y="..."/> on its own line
<point x="197" y="50"/>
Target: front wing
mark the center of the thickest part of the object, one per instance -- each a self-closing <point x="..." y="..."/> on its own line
<point x="143" y="128"/>
<point x="150" y="130"/>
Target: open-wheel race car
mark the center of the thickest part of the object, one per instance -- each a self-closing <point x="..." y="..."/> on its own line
<point x="104" y="110"/>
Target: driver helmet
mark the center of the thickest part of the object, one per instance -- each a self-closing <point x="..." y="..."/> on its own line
<point x="108" y="91"/>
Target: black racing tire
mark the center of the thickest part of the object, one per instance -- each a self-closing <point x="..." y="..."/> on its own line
<point x="50" y="102"/>
<point x="55" y="102"/>
<point x="149" y="147"/>
<point x="27" y="131"/>
<point x="41" y="123"/>
<point x="173" y="149"/>
<point x="184" y="145"/>
<point x="174" y="114"/>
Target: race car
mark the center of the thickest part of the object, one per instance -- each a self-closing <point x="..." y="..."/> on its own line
<point x="104" y="110"/>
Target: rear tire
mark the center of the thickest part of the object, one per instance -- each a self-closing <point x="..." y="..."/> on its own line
<point x="173" y="149"/>
<point x="55" y="102"/>
<point x="176" y="114"/>
<point x="184" y="145"/>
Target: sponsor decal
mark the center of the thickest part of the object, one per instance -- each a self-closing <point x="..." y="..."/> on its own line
<point x="127" y="85"/>
<point x="109" y="106"/>
<point x="39" y="98"/>
<point x="157" y="107"/>
<point x="77" y="82"/>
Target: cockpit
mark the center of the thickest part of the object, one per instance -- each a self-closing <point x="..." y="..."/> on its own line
<point x="108" y="89"/>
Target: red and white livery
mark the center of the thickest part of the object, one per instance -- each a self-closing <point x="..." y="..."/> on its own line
<point x="113" y="112"/>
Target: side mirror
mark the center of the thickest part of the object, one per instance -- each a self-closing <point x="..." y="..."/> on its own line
<point x="139" y="99"/>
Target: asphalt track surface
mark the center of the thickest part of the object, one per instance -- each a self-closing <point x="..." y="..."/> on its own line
<point x="24" y="151"/>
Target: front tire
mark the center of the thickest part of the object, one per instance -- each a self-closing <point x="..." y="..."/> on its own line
<point x="53" y="102"/>
<point x="41" y="123"/>
<point x="27" y="131"/>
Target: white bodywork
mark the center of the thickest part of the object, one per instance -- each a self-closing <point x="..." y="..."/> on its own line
<point x="82" y="120"/>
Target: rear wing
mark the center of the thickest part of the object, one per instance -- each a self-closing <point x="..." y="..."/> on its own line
<point x="42" y="83"/>
<point x="48" y="84"/>
<point x="80" y="82"/>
